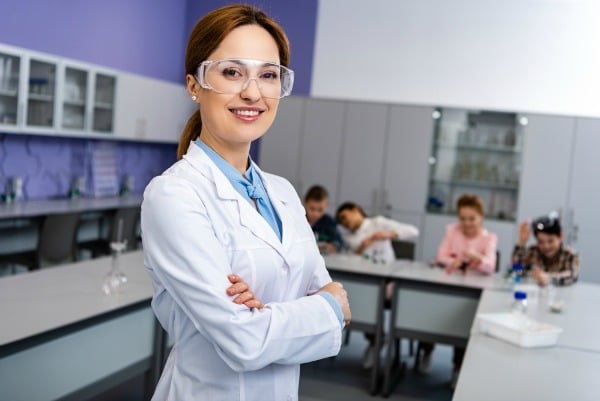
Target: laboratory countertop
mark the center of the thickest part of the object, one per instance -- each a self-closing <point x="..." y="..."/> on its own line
<point x="413" y="271"/>
<point x="42" y="207"/>
<point x="41" y="301"/>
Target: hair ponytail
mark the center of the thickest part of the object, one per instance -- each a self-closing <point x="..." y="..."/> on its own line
<point x="190" y="133"/>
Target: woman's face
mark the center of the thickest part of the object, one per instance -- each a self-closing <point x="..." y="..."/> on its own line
<point x="548" y="244"/>
<point x="238" y="119"/>
<point x="350" y="219"/>
<point x="469" y="221"/>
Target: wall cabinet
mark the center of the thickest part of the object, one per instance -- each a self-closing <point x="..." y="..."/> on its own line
<point x="41" y="94"/>
<point x="48" y="95"/>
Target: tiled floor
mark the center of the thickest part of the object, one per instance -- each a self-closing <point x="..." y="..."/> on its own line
<point x="342" y="378"/>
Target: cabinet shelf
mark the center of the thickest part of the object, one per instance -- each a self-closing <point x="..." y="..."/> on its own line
<point x="74" y="103"/>
<point x="103" y="105"/>
<point x="8" y="92"/>
<point x="479" y="148"/>
<point x="478" y="184"/>
<point x="38" y="97"/>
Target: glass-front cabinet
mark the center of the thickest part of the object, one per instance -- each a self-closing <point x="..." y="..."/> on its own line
<point x="476" y="152"/>
<point x="41" y="93"/>
<point x="74" y="105"/>
<point x="51" y="95"/>
<point x="10" y="70"/>
<point x="104" y="102"/>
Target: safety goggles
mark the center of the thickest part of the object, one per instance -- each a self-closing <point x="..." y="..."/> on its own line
<point x="232" y="76"/>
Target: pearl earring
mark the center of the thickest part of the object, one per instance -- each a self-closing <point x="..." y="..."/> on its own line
<point x="194" y="98"/>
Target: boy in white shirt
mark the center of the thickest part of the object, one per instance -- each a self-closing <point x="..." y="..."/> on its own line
<point x="372" y="236"/>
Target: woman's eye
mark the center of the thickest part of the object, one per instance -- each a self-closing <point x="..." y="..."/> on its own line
<point x="231" y="73"/>
<point x="269" y="75"/>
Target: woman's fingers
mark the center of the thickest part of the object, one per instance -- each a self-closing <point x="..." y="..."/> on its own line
<point x="242" y="290"/>
<point x="237" y="288"/>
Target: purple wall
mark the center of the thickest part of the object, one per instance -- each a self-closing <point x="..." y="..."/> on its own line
<point x="138" y="36"/>
<point x="298" y="19"/>
<point x="47" y="164"/>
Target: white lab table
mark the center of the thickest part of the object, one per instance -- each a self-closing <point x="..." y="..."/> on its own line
<point x="62" y="338"/>
<point x="43" y="207"/>
<point x="497" y="371"/>
<point x="428" y="303"/>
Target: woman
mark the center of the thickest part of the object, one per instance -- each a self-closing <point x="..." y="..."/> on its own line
<point x="469" y="247"/>
<point x="549" y="260"/>
<point x="221" y="237"/>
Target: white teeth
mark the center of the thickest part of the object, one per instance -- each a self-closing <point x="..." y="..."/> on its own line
<point x="247" y="113"/>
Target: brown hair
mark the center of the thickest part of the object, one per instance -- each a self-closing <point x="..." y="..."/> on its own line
<point x="472" y="201"/>
<point x="349" y="206"/>
<point x="316" y="193"/>
<point x="208" y="34"/>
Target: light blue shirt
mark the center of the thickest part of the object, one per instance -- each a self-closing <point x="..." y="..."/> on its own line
<point x="246" y="186"/>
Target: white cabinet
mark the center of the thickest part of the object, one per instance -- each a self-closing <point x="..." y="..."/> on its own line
<point x="279" y="151"/>
<point x="582" y="217"/>
<point x="150" y="109"/>
<point x="547" y="150"/>
<point x="320" y="149"/>
<point x="362" y="155"/>
<point x="43" y="94"/>
<point x="406" y="159"/>
<point x="48" y="95"/>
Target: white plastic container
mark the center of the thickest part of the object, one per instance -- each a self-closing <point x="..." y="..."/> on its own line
<point x="519" y="330"/>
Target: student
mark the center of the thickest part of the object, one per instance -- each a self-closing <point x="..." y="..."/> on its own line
<point x="372" y="235"/>
<point x="549" y="260"/>
<point x="323" y="225"/>
<point x="468" y="247"/>
<point x="232" y="258"/>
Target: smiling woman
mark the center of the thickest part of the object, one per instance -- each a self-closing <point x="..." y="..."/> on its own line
<point x="239" y="282"/>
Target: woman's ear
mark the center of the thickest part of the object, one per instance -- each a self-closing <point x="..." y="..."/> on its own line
<point x="193" y="87"/>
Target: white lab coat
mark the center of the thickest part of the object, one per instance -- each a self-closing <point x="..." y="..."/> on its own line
<point x="197" y="229"/>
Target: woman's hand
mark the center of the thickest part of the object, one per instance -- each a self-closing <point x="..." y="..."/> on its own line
<point x="244" y="295"/>
<point x="524" y="232"/>
<point x="337" y="290"/>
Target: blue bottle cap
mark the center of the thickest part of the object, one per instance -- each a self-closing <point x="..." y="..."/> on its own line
<point x="519" y="295"/>
<point x="517" y="266"/>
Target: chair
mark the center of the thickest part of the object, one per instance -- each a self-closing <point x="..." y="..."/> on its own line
<point x="403" y="249"/>
<point x="56" y="243"/>
<point x="128" y="216"/>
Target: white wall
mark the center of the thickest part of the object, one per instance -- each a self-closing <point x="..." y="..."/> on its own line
<point x="518" y="55"/>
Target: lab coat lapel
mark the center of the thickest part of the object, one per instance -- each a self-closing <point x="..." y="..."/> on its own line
<point x="248" y="215"/>
<point x="280" y="201"/>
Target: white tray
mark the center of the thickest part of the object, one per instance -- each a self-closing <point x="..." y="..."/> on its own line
<point x="518" y="330"/>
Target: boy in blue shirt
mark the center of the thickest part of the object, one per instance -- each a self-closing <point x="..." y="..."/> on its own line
<point x="323" y="225"/>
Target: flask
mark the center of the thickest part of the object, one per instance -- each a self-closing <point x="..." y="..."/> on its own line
<point x="115" y="281"/>
<point x="519" y="305"/>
